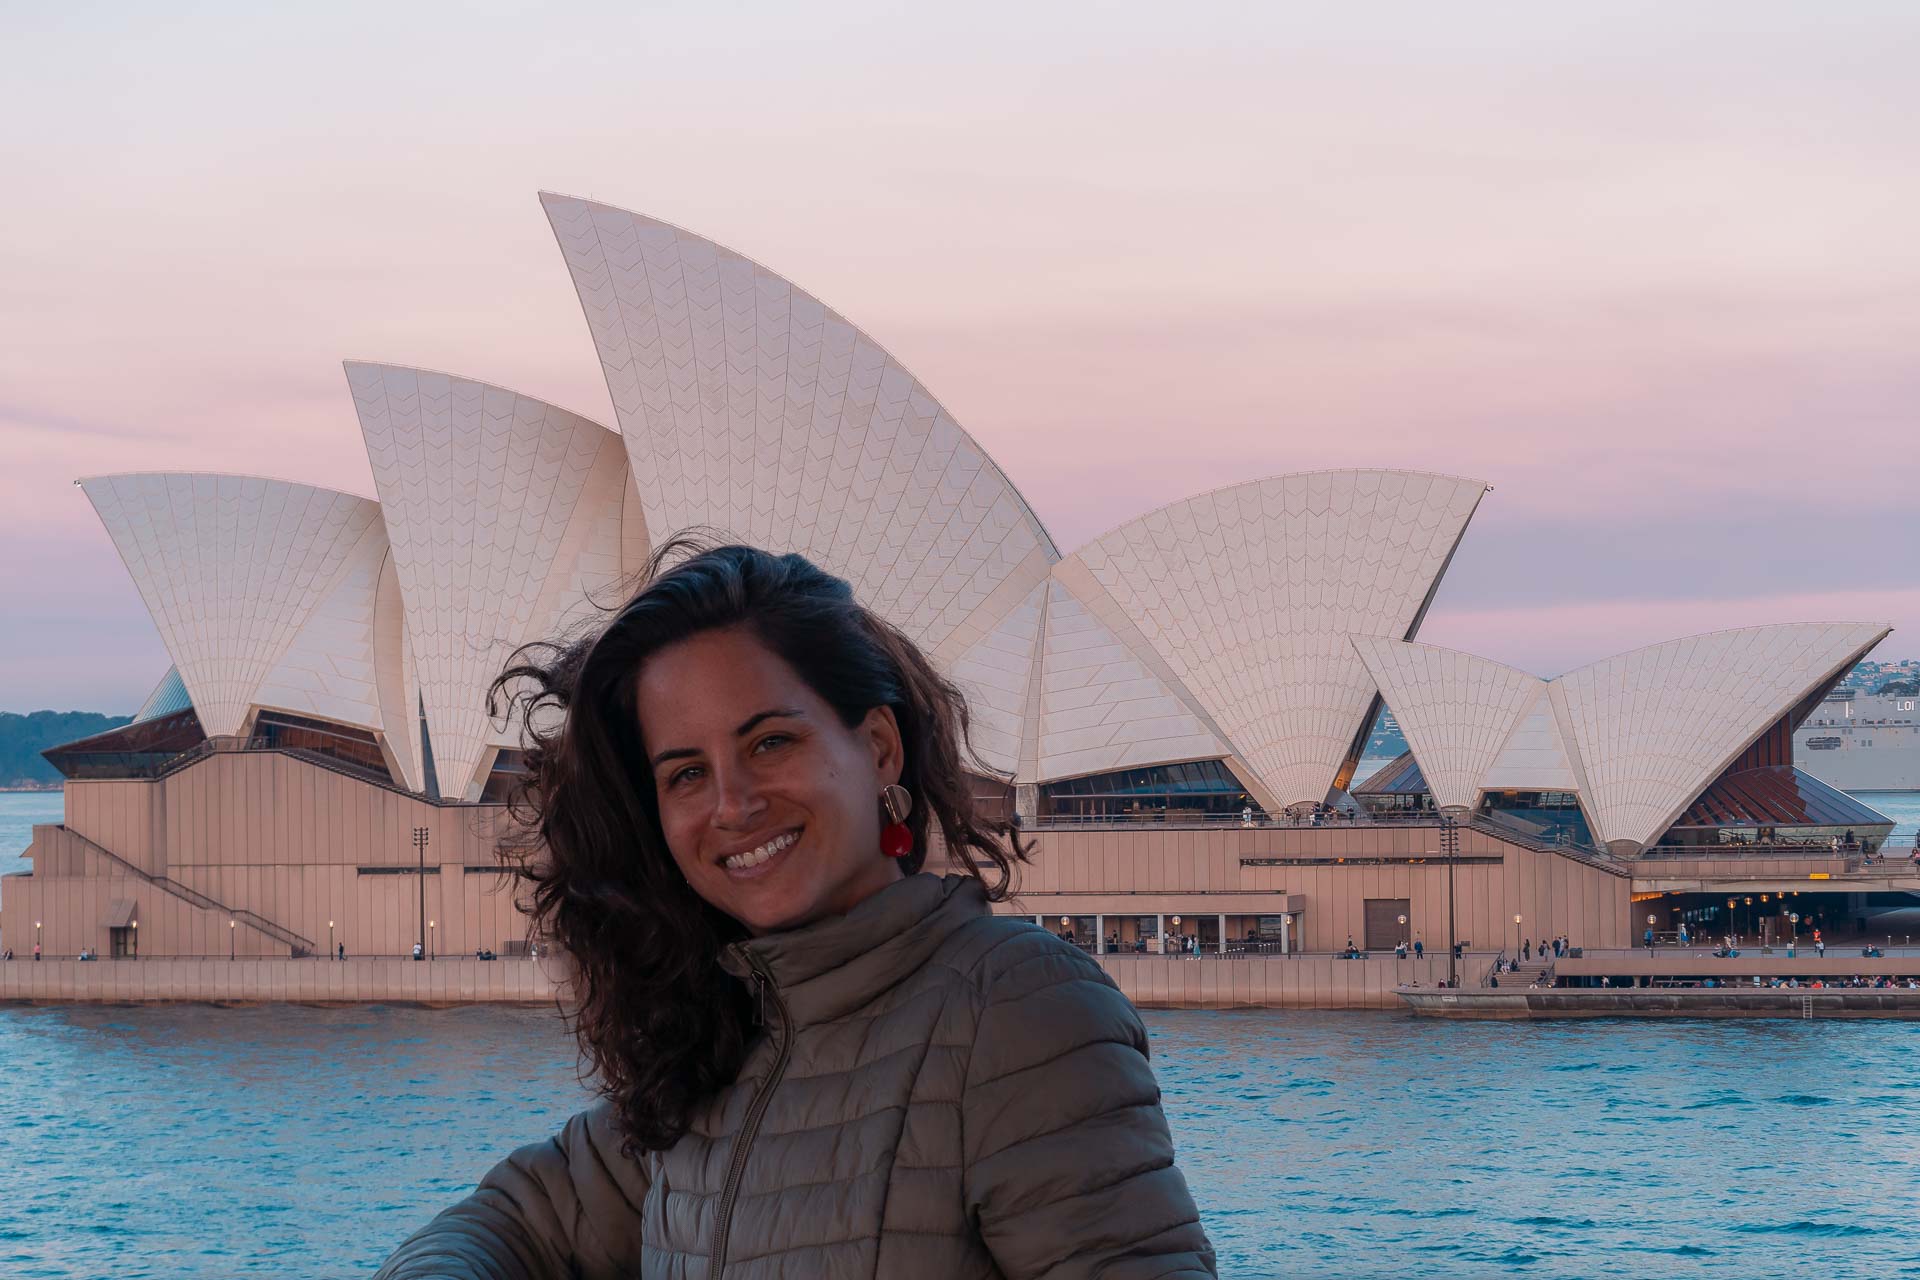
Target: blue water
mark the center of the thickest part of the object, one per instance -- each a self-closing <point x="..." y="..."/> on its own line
<point x="290" y="1142"/>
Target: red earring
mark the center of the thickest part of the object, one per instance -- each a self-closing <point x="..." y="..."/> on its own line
<point x="896" y="841"/>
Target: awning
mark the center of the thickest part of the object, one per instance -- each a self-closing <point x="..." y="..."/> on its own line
<point x="120" y="913"/>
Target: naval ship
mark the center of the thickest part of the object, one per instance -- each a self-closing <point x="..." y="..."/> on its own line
<point x="1862" y="742"/>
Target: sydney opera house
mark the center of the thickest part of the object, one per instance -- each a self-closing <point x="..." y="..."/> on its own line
<point x="1176" y="711"/>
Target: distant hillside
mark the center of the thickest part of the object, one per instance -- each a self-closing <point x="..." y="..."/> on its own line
<point x="23" y="738"/>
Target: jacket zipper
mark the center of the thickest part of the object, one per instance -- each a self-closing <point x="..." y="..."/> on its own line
<point x="736" y="1167"/>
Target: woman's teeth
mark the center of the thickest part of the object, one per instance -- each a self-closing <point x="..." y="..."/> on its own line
<point x="754" y="857"/>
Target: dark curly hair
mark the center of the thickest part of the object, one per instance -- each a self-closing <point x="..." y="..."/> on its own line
<point x="659" y="1022"/>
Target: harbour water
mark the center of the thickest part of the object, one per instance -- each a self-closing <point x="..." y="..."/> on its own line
<point x="193" y="1142"/>
<point x="196" y="1142"/>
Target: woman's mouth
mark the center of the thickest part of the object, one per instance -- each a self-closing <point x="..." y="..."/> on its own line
<point x="762" y="860"/>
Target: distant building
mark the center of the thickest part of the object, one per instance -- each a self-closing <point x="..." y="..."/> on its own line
<point x="1176" y="709"/>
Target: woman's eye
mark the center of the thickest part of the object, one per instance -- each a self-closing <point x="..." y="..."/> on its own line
<point x="771" y="740"/>
<point x="682" y="775"/>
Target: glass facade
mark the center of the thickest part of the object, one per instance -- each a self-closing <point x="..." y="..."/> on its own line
<point x="1550" y="816"/>
<point x="1169" y="791"/>
<point x="136" y="750"/>
<point x="354" y="748"/>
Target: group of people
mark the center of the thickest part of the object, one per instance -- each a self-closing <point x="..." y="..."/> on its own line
<point x="1560" y="946"/>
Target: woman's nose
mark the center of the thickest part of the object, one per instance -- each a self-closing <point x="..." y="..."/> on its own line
<point x="741" y="805"/>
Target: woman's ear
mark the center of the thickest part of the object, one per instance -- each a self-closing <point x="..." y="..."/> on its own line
<point x="882" y="731"/>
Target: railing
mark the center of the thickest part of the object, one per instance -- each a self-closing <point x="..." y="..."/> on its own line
<point x="1871" y="852"/>
<point x="279" y="933"/>
<point x="1346" y="821"/>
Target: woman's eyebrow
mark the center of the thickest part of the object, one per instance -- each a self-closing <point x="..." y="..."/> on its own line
<point x="746" y="726"/>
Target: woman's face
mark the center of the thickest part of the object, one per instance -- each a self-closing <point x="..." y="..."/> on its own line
<point x="769" y="804"/>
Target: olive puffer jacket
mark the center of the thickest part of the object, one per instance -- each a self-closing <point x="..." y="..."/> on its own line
<point x="939" y="1092"/>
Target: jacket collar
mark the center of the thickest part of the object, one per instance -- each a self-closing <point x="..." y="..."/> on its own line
<point x="839" y="964"/>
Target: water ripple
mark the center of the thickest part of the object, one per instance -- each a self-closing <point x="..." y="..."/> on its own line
<point x="217" y="1144"/>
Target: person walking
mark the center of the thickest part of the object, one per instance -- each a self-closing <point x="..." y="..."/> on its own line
<point x="1526" y="949"/>
<point x="1649" y="939"/>
<point x="814" y="1056"/>
<point x="1419" y="948"/>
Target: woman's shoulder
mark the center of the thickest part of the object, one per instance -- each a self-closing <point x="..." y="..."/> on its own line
<point x="998" y="955"/>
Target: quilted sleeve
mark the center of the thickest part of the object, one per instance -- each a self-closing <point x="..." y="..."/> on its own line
<point x="1070" y="1169"/>
<point x="563" y="1209"/>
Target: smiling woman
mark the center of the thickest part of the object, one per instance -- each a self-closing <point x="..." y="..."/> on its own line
<point x="815" y="1057"/>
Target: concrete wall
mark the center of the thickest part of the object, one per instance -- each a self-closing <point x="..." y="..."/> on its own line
<point x="271" y="834"/>
<point x="462" y="981"/>
<point x="1155" y="869"/>
<point x="1277" y="982"/>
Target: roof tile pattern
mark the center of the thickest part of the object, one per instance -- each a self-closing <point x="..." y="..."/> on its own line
<point x="479" y="486"/>
<point x="750" y="407"/>
<point x="1653" y="727"/>
<point x="995" y="674"/>
<point x="1102" y="706"/>
<point x="1535" y="756"/>
<point x="1250" y="593"/>
<point x="230" y="568"/>
<point x="328" y="669"/>
<point x="1456" y="710"/>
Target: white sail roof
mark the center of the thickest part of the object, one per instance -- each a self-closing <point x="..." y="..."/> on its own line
<point x="749" y="407"/>
<point x="1249" y="594"/>
<point x="1456" y="710"/>
<point x="491" y="499"/>
<point x="231" y="568"/>
<point x="1655" y="726"/>
<point x="1106" y="704"/>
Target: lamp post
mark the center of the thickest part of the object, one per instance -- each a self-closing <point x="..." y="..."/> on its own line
<point x="1175" y="922"/>
<point x="431" y="926"/>
<point x="1450" y="844"/>
<point x="230" y="936"/>
<point x="330" y="951"/>
<point x="36" y="939"/>
<point x="1400" y="952"/>
<point x="420" y="837"/>
<point x="1650" y="919"/>
<point x="1516" y="935"/>
<point x="136" y="938"/>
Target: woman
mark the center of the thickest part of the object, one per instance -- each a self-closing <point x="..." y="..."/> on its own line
<point x="815" y="1058"/>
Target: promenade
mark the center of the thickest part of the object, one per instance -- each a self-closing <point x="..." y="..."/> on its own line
<point x="448" y="980"/>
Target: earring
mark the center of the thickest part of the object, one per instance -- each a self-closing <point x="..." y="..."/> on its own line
<point x="896" y="841"/>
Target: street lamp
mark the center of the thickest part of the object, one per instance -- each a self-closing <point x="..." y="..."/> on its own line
<point x="420" y="837"/>
<point x="1450" y="844"/>
<point x="36" y="939"/>
<point x="1400" y="952"/>
<point x="330" y="951"/>
<point x="1516" y="935"/>
<point x="431" y="925"/>
<point x="136" y="938"/>
<point x="230" y="936"/>
<point x="1175" y="922"/>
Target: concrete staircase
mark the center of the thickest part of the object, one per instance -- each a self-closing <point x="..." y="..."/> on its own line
<point x="1527" y="973"/>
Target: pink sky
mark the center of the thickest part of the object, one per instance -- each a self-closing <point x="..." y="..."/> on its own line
<point x="1648" y="269"/>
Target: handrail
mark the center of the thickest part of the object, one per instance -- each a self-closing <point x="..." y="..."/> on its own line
<point x="166" y="884"/>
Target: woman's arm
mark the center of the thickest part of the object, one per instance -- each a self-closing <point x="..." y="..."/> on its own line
<point x="564" y="1209"/>
<point x="1070" y="1166"/>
